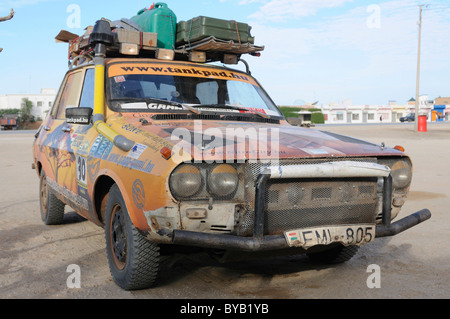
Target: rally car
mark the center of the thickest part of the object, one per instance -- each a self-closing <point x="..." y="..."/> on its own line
<point x="174" y="153"/>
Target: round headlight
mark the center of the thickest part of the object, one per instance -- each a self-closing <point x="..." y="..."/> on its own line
<point x="223" y="180"/>
<point x="401" y="174"/>
<point x="185" y="181"/>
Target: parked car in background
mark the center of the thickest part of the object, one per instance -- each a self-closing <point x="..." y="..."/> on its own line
<point x="408" y="118"/>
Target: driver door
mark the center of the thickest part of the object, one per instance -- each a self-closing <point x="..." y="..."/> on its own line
<point x="56" y="137"/>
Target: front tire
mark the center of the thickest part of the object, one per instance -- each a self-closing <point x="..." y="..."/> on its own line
<point x="52" y="209"/>
<point x="132" y="259"/>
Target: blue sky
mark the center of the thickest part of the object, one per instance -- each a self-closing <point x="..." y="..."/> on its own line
<point x="315" y="50"/>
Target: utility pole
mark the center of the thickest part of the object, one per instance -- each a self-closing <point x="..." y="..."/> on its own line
<point x="416" y="126"/>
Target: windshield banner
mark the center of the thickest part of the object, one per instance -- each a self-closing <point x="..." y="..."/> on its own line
<point x="117" y="70"/>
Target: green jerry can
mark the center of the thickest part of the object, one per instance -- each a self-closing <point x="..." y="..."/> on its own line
<point x="161" y="20"/>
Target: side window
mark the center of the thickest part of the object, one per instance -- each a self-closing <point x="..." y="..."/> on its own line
<point x="70" y="94"/>
<point x="87" y="96"/>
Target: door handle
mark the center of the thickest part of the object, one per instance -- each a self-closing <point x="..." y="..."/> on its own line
<point x="46" y="128"/>
<point x="66" y="129"/>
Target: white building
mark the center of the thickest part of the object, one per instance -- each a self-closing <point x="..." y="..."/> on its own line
<point x="391" y="113"/>
<point x="41" y="102"/>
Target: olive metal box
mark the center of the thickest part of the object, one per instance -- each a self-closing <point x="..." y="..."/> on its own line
<point x="203" y="27"/>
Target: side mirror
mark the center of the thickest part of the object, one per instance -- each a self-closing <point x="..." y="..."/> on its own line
<point x="78" y="115"/>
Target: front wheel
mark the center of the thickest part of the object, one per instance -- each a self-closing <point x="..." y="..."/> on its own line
<point x="133" y="260"/>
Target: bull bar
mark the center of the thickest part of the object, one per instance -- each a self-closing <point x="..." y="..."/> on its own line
<point x="260" y="242"/>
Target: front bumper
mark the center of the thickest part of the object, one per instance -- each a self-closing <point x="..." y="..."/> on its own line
<point x="253" y="244"/>
<point x="260" y="242"/>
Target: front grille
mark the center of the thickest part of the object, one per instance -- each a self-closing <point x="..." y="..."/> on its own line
<point x="293" y="204"/>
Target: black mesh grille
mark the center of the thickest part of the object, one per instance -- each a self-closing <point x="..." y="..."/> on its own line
<point x="291" y="204"/>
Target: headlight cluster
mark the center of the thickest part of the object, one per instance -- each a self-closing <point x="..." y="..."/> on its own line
<point x="190" y="181"/>
<point x="401" y="171"/>
<point x="186" y="181"/>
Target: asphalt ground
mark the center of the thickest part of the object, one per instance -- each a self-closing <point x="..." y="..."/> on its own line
<point x="36" y="261"/>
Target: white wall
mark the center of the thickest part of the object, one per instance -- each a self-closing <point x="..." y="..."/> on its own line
<point x="41" y="102"/>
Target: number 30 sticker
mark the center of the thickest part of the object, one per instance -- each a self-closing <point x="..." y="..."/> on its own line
<point x="81" y="170"/>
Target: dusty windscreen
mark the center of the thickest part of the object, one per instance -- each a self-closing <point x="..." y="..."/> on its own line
<point x="130" y="86"/>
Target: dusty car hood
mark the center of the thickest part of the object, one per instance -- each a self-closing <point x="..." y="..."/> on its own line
<point x="215" y="140"/>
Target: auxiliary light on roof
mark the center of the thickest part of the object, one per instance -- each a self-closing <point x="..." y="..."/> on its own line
<point x="165" y="54"/>
<point x="129" y="49"/>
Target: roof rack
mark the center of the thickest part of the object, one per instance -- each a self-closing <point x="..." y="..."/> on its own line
<point x="129" y="41"/>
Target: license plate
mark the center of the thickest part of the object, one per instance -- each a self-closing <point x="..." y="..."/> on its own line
<point x="347" y="235"/>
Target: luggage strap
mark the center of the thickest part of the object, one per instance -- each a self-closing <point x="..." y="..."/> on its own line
<point x="238" y="34"/>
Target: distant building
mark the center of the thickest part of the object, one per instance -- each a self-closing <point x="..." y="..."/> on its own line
<point x="42" y="102"/>
<point x="442" y="101"/>
<point x="442" y="108"/>
<point x="391" y="113"/>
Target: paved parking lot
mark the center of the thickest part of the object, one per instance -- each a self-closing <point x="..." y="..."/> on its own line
<point x="34" y="258"/>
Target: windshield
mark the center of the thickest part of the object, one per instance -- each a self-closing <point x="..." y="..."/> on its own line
<point x="150" y="87"/>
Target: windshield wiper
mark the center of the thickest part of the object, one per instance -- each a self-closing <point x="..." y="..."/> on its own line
<point x="232" y="107"/>
<point x="154" y="100"/>
<point x="145" y="99"/>
<point x="191" y="107"/>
